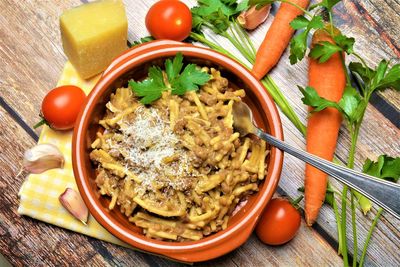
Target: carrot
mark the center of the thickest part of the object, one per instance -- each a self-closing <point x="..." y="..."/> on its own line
<point x="277" y="38"/>
<point x="329" y="80"/>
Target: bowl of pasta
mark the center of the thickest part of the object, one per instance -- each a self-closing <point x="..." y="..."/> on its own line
<point x="156" y="157"/>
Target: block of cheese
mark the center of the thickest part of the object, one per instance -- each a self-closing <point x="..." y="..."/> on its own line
<point x="93" y="34"/>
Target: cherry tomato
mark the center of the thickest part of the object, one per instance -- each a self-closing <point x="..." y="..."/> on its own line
<point x="279" y="222"/>
<point x="169" y="19"/>
<point x="60" y="107"/>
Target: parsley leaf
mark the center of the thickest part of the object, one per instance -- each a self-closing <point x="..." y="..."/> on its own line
<point x="364" y="73"/>
<point x="151" y="88"/>
<point x="228" y="7"/>
<point x="176" y="80"/>
<point x="173" y="68"/>
<point x="350" y="105"/>
<point x="391" y="78"/>
<point x="329" y="4"/>
<point x="216" y="14"/>
<point x="385" y="167"/>
<point x="189" y="80"/>
<point x="298" y="44"/>
<point x="299" y="22"/>
<point x="344" y="42"/>
<point x="312" y="99"/>
<point x="380" y="78"/>
<point x="323" y="51"/>
<point x="298" y="47"/>
<point x="142" y="41"/>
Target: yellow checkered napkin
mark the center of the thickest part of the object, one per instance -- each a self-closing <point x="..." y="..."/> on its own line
<point x="39" y="193"/>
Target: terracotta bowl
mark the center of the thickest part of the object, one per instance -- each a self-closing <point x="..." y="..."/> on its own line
<point x="134" y="63"/>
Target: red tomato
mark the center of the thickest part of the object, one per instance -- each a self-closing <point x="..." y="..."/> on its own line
<point x="60" y="107"/>
<point x="169" y="19"/>
<point x="279" y="222"/>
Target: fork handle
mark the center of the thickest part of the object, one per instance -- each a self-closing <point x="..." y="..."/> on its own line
<point x="383" y="193"/>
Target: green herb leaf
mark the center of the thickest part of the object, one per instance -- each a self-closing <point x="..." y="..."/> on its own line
<point x="329" y="4"/>
<point x="299" y="22"/>
<point x="142" y="41"/>
<point x="344" y="42"/>
<point x="323" y="51"/>
<point x="350" y="103"/>
<point x="379" y="73"/>
<point x="151" y="88"/>
<point x="391" y="79"/>
<point x="228" y="7"/>
<point x="298" y="44"/>
<point x="173" y="68"/>
<point x="189" y="80"/>
<point x="217" y="21"/>
<point x="365" y="73"/>
<point x="380" y="78"/>
<point x="312" y="99"/>
<point x="385" y="167"/>
<point x="298" y="47"/>
<point x="179" y="82"/>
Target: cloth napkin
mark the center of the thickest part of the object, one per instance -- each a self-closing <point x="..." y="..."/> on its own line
<point x="39" y="193"/>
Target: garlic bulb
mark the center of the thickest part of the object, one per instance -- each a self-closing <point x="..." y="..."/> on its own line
<point x="251" y="18"/>
<point x="42" y="157"/>
<point x="72" y="201"/>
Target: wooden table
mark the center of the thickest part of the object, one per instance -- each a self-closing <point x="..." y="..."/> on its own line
<point x="32" y="58"/>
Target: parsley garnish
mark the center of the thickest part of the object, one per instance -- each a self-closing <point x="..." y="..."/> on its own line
<point x="177" y="81"/>
<point x="216" y="14"/>
<point x="298" y="45"/>
<point x="385" y="167"/>
<point x="324" y="50"/>
<point x="353" y="103"/>
<point x="142" y="41"/>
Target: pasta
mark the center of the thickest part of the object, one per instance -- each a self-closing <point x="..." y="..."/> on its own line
<point x="177" y="169"/>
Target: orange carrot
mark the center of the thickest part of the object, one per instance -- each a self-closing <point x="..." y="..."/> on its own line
<point x="277" y="38"/>
<point x="329" y="80"/>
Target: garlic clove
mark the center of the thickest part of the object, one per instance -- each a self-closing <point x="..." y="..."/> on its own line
<point x="42" y="157"/>
<point x="251" y="18"/>
<point x="73" y="202"/>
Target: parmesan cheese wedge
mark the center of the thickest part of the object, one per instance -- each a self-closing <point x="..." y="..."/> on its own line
<point x="93" y="35"/>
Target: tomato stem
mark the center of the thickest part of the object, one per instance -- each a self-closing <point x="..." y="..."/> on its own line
<point x="40" y="123"/>
<point x="295" y="202"/>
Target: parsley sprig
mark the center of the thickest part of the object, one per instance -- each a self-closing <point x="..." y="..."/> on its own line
<point x="216" y="14"/>
<point x="220" y="17"/>
<point x="174" y="79"/>
<point x="353" y="103"/>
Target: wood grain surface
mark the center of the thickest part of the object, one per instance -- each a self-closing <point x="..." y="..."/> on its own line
<point x="32" y="58"/>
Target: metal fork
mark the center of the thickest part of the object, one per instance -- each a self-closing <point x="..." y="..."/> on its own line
<point x="385" y="194"/>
